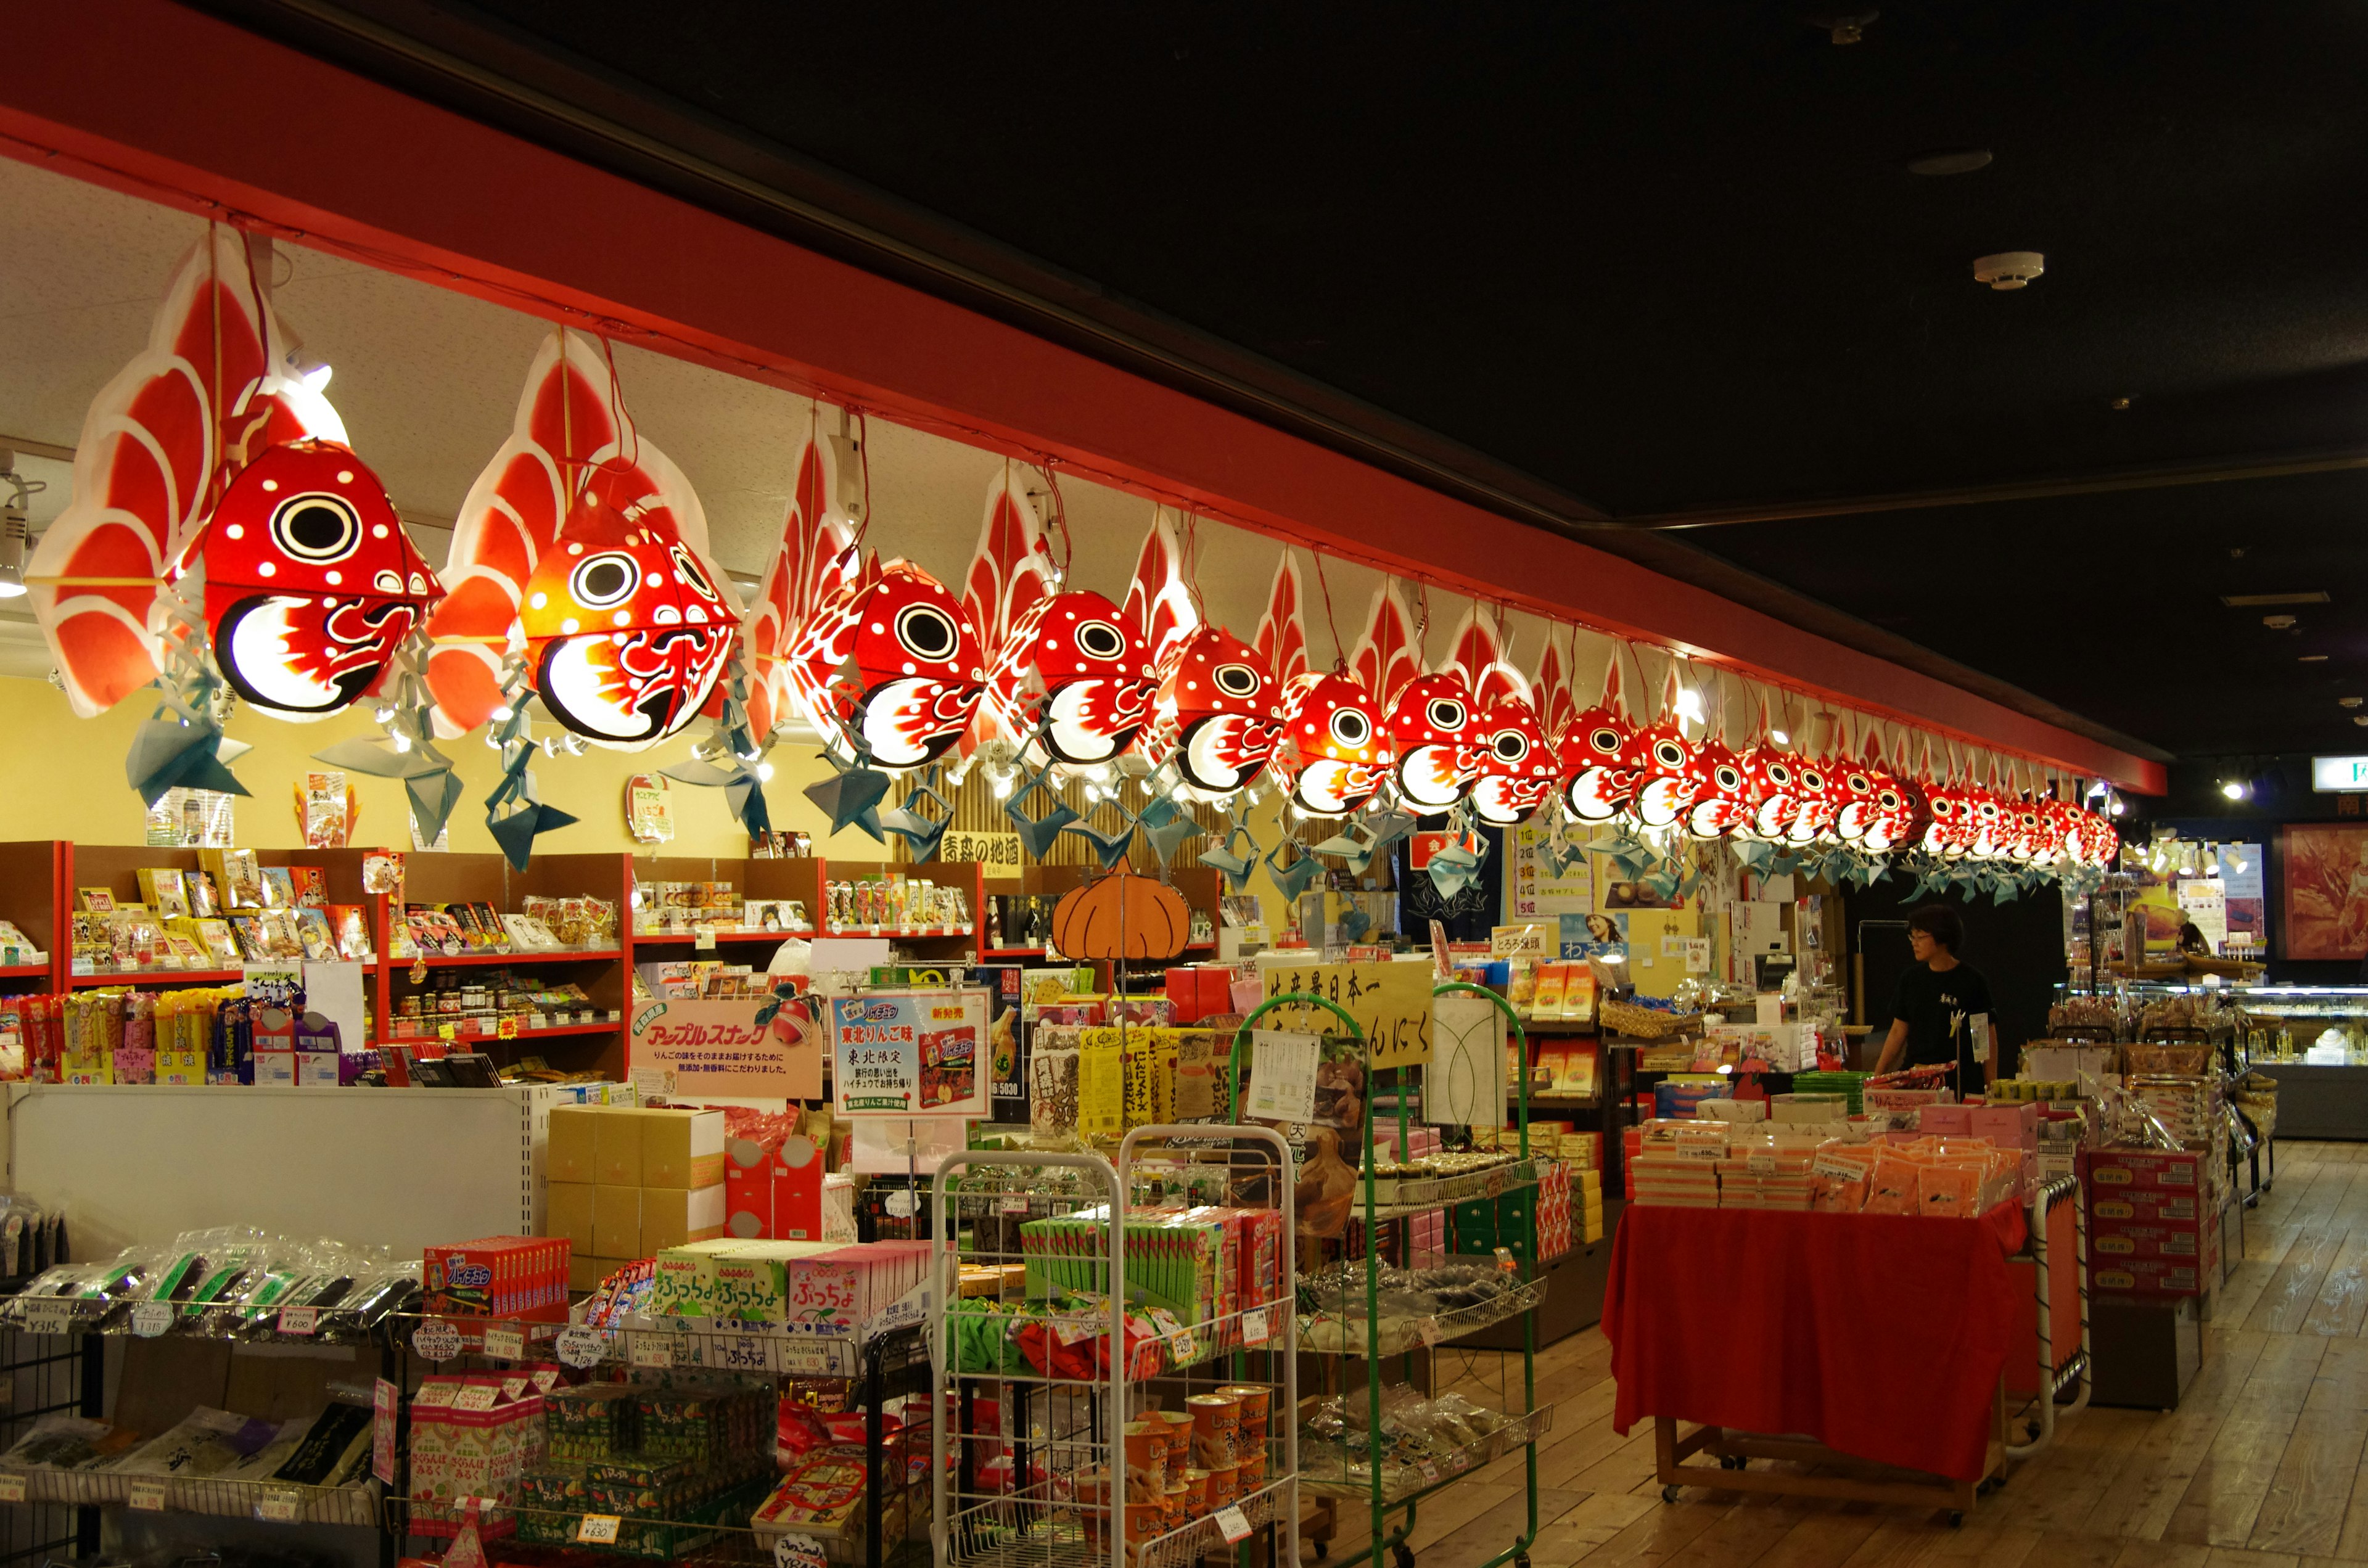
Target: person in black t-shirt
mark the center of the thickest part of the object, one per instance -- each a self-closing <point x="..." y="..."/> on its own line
<point x="1931" y="1017"/>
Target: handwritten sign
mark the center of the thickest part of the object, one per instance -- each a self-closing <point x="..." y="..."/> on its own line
<point x="1000" y="850"/>
<point x="717" y="1047"/>
<point x="1390" y="1003"/>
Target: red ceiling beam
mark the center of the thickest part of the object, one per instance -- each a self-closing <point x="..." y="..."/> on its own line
<point x="168" y="104"/>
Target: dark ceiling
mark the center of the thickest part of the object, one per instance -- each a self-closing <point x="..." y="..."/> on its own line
<point x="1641" y="259"/>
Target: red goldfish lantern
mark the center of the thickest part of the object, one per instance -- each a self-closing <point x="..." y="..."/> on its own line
<point x="1660" y="756"/>
<point x="626" y="630"/>
<point x="1896" y="818"/>
<point x="1517" y="766"/>
<point x="1721" y="788"/>
<point x="1332" y="754"/>
<point x="919" y="675"/>
<point x="1815" y="799"/>
<point x="310" y="582"/>
<point x="1858" y="789"/>
<point x="1216" y="712"/>
<point x="1093" y="673"/>
<point x="1433" y="729"/>
<point x="1950" y="831"/>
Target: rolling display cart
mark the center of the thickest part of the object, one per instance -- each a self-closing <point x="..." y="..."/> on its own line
<point x="1057" y="1449"/>
<point x="1379" y="1293"/>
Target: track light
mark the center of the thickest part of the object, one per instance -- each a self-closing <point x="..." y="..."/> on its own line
<point x="1780" y="737"/>
<point x="2235" y="790"/>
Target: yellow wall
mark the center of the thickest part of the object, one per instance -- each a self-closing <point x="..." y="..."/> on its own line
<point x="63" y="778"/>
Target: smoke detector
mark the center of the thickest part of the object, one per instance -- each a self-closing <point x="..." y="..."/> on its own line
<point x="2008" y="269"/>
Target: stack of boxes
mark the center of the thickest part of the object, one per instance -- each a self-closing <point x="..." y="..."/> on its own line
<point x="626" y="1183"/>
<point x="674" y="1462"/>
<point x="1205" y="1265"/>
<point x="2153" y="1223"/>
<point x="471" y="1436"/>
<point x="827" y="1289"/>
<point x="1200" y="992"/>
<point x="775" y="1189"/>
<point x="498" y="1277"/>
<point x="1427" y="1232"/>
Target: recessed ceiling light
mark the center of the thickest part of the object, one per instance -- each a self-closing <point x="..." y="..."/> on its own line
<point x="2347" y="702"/>
<point x="2258" y="601"/>
<point x="2310" y="659"/>
<point x="2279" y="622"/>
<point x="1949" y="161"/>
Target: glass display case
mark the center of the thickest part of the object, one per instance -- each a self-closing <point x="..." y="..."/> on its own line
<point x="2312" y="1040"/>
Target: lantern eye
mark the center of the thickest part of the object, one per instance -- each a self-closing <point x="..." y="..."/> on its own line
<point x="1890" y="799"/>
<point x="1351" y="728"/>
<point x="1444" y="713"/>
<point x="693" y="577"/>
<point x="1861" y="784"/>
<point x="926" y="633"/>
<point x="1235" y="680"/>
<point x="316" y="527"/>
<point x="599" y="581"/>
<point x="1605" y="740"/>
<point x="1780" y="773"/>
<point x="1730" y="779"/>
<point x="1668" y="754"/>
<point x="1100" y="639"/>
<point x="1510" y="745"/>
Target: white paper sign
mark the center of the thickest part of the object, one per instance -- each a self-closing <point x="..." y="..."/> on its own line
<point x="435" y="1339"/>
<point x="306" y="1320"/>
<point x="505" y="1343"/>
<point x="148" y="1496"/>
<point x="278" y="1506"/>
<point x="654" y="1350"/>
<point x="582" y="1346"/>
<point x="1282" y="1075"/>
<point x="150" y="1319"/>
<point x="598" y="1530"/>
<point x="1234" y="1525"/>
<point x="1465" y="1085"/>
<point x="1254" y="1328"/>
<point x="794" y="1551"/>
<point x="12" y="1488"/>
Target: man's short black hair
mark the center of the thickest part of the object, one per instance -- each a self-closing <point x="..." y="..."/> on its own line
<point x="1939" y="922"/>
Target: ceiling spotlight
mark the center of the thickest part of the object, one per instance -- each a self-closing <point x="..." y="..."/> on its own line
<point x="1844" y="26"/>
<point x="14" y="531"/>
<point x="1780" y="737"/>
<point x="2099" y="789"/>
<point x="1689" y="704"/>
<point x="2360" y="718"/>
<point x="2277" y="622"/>
<point x="2234" y="790"/>
<point x="2347" y="702"/>
<point x="2119" y="404"/>
<point x="2010" y="268"/>
<point x="2310" y="658"/>
<point x="2118" y="808"/>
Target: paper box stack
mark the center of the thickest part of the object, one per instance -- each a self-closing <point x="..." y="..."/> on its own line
<point x="471" y="1436"/>
<point x="1674" y="1181"/>
<point x="625" y="1183"/>
<point x="1553" y="1209"/>
<point x="2153" y="1223"/>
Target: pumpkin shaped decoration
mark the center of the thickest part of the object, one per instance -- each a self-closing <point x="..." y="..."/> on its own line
<point x="311" y="581"/>
<point x="1121" y="916"/>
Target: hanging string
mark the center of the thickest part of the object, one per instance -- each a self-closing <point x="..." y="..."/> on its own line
<point x="1339" y="660"/>
<point x="1192" y="564"/>
<point x="1059" y="515"/>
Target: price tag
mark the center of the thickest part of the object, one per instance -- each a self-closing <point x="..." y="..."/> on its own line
<point x="1431" y="1472"/>
<point x="307" y="1320"/>
<point x="1011" y="1206"/>
<point x="148" y="1496"/>
<point x="48" y="1314"/>
<point x="506" y="1344"/>
<point x="1180" y="1347"/>
<point x="278" y="1506"/>
<point x="742" y="1353"/>
<point x="12" y="1488"/>
<point x="798" y="1552"/>
<point x="654" y="1350"/>
<point x="1254" y="1328"/>
<point x="435" y="1339"/>
<point x="598" y="1530"/>
<point x="1459" y="1459"/>
<point x="582" y="1346"/>
<point x="1506" y="1262"/>
<point x="545" y="1380"/>
<point x="476" y="1396"/>
<point x="903" y="1203"/>
<point x="703" y="937"/>
<point x="1761" y="1163"/>
<point x="508" y="1027"/>
<point x="800" y="1358"/>
<point x="150" y="1319"/>
<point x="1234" y="1525"/>
<point x="1426" y="1330"/>
<point x="1838" y="1168"/>
<point x="446" y="1031"/>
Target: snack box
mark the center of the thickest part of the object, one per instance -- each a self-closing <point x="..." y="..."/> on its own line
<point x="2132" y="1170"/>
<point x="2110" y="1245"/>
<point x="2145" y="1206"/>
<point x="524" y="1277"/>
<point x="2148" y="1276"/>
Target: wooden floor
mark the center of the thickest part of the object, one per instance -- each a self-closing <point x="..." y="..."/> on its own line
<point x="2261" y="1467"/>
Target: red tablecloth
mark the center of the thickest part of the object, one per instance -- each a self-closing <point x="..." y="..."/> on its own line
<point x="1880" y="1336"/>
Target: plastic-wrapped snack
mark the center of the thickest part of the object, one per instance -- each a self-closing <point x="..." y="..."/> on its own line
<point x="1892" y="1188"/>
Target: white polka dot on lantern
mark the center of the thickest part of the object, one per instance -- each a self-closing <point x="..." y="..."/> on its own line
<point x="235" y="532"/>
<point x="570" y="625"/>
<point x="267" y="569"/>
<point x="538" y="601"/>
<point x="345" y="476"/>
<point x="333" y="578"/>
<point x="909" y="668"/>
<point x="378" y="530"/>
<point x="269" y="484"/>
<point x="575" y="550"/>
<point x="623" y="618"/>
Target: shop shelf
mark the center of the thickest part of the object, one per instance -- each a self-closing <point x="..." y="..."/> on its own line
<point x="1010" y="953"/>
<point x="755" y="1348"/>
<point x="22" y="970"/>
<point x="1403" y="1482"/>
<point x="1394" y="1198"/>
<point x="145" y="976"/>
<point x="677" y="939"/>
<point x="276" y="1502"/>
<point x="914" y="934"/>
<point x="1337" y="1334"/>
<point x="538" y="955"/>
<point x="554" y="1031"/>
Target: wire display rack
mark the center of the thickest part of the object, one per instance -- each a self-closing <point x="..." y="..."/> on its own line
<point x="1432" y="1411"/>
<point x="1058" y="1453"/>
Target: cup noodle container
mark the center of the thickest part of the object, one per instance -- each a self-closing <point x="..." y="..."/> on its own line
<point x="1216" y="1421"/>
<point x="1251" y="1428"/>
<point x="1146" y="1460"/>
<point x="1224" y="1487"/>
<point x="1178" y="1424"/>
<point x="1094" y="1507"/>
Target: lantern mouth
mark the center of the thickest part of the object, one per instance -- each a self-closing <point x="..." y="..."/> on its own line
<point x="627" y="688"/>
<point x="1224" y="751"/>
<point x="297" y="654"/>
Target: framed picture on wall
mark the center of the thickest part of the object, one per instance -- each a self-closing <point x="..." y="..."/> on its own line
<point x="2326" y="890"/>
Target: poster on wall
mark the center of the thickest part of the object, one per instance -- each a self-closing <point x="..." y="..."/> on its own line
<point x="2202" y="900"/>
<point x="2241" y="880"/>
<point x="909" y="1053"/>
<point x="2325" y="878"/>
<point x="1539" y="891"/>
<point x="715" y="1046"/>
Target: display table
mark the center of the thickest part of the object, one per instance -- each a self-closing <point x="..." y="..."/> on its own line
<point x="1878" y="1338"/>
